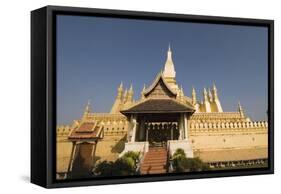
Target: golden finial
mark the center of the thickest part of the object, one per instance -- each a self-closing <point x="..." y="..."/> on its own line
<point x="131" y="88"/>
<point x="240" y="110"/>
<point x="143" y="89"/>
<point x="204" y="91"/>
<point x="214" y="86"/>
<point x="121" y="84"/>
<point x="88" y="108"/>
<point x="210" y="94"/>
<point x="193" y="95"/>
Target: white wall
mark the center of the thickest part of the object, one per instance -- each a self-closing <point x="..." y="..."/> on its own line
<point x="218" y="141"/>
<point x="15" y="94"/>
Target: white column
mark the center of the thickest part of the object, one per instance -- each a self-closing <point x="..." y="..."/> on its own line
<point x="171" y="128"/>
<point x="142" y="130"/>
<point x="130" y="128"/>
<point x="146" y="134"/>
<point x="185" y="126"/>
<point x="181" y="136"/>
<point x="134" y="122"/>
<point x="179" y="127"/>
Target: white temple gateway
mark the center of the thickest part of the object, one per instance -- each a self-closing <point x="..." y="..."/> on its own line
<point x="167" y="119"/>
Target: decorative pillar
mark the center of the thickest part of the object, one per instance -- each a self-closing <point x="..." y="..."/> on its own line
<point x="71" y="157"/>
<point x="185" y="126"/>
<point x="179" y="127"/>
<point x="181" y="136"/>
<point x="172" y="134"/>
<point x="142" y="130"/>
<point x="146" y="135"/>
<point x="129" y="127"/>
<point x="134" y="122"/>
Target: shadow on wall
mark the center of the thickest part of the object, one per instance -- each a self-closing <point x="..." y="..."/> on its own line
<point x="120" y="145"/>
<point x="97" y="158"/>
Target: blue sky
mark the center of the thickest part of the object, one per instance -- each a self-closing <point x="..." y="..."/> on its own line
<point x="95" y="54"/>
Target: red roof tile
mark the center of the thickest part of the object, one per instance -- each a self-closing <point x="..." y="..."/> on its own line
<point x="86" y="131"/>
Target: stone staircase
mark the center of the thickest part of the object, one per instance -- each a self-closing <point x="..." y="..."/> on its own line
<point x="155" y="161"/>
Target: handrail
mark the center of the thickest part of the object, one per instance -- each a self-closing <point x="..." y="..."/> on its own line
<point x="169" y="163"/>
<point x="142" y="155"/>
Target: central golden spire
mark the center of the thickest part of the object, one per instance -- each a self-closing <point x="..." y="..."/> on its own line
<point x="169" y="73"/>
<point x="169" y="69"/>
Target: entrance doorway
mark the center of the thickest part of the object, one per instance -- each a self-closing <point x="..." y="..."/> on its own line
<point x="158" y="133"/>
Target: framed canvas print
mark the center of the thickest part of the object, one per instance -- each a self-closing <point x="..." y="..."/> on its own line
<point x="125" y="96"/>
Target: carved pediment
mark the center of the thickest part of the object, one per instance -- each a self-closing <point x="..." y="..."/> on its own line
<point x="160" y="89"/>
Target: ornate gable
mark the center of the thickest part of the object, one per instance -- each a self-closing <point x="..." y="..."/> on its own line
<point x="159" y="89"/>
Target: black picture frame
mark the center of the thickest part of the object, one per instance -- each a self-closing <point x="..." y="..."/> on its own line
<point x="43" y="94"/>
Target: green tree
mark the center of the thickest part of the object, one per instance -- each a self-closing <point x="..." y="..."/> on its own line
<point x="183" y="164"/>
<point x="126" y="165"/>
<point x="134" y="155"/>
<point x="104" y="168"/>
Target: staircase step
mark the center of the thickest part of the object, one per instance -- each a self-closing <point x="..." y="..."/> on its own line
<point x="152" y="169"/>
<point x="154" y="172"/>
<point x="156" y="153"/>
<point x="155" y="156"/>
<point x="158" y="150"/>
<point x="152" y="149"/>
<point x="152" y="153"/>
<point x="152" y="166"/>
<point x="155" y="160"/>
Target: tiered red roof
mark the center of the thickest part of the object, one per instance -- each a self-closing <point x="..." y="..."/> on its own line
<point x="87" y="131"/>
